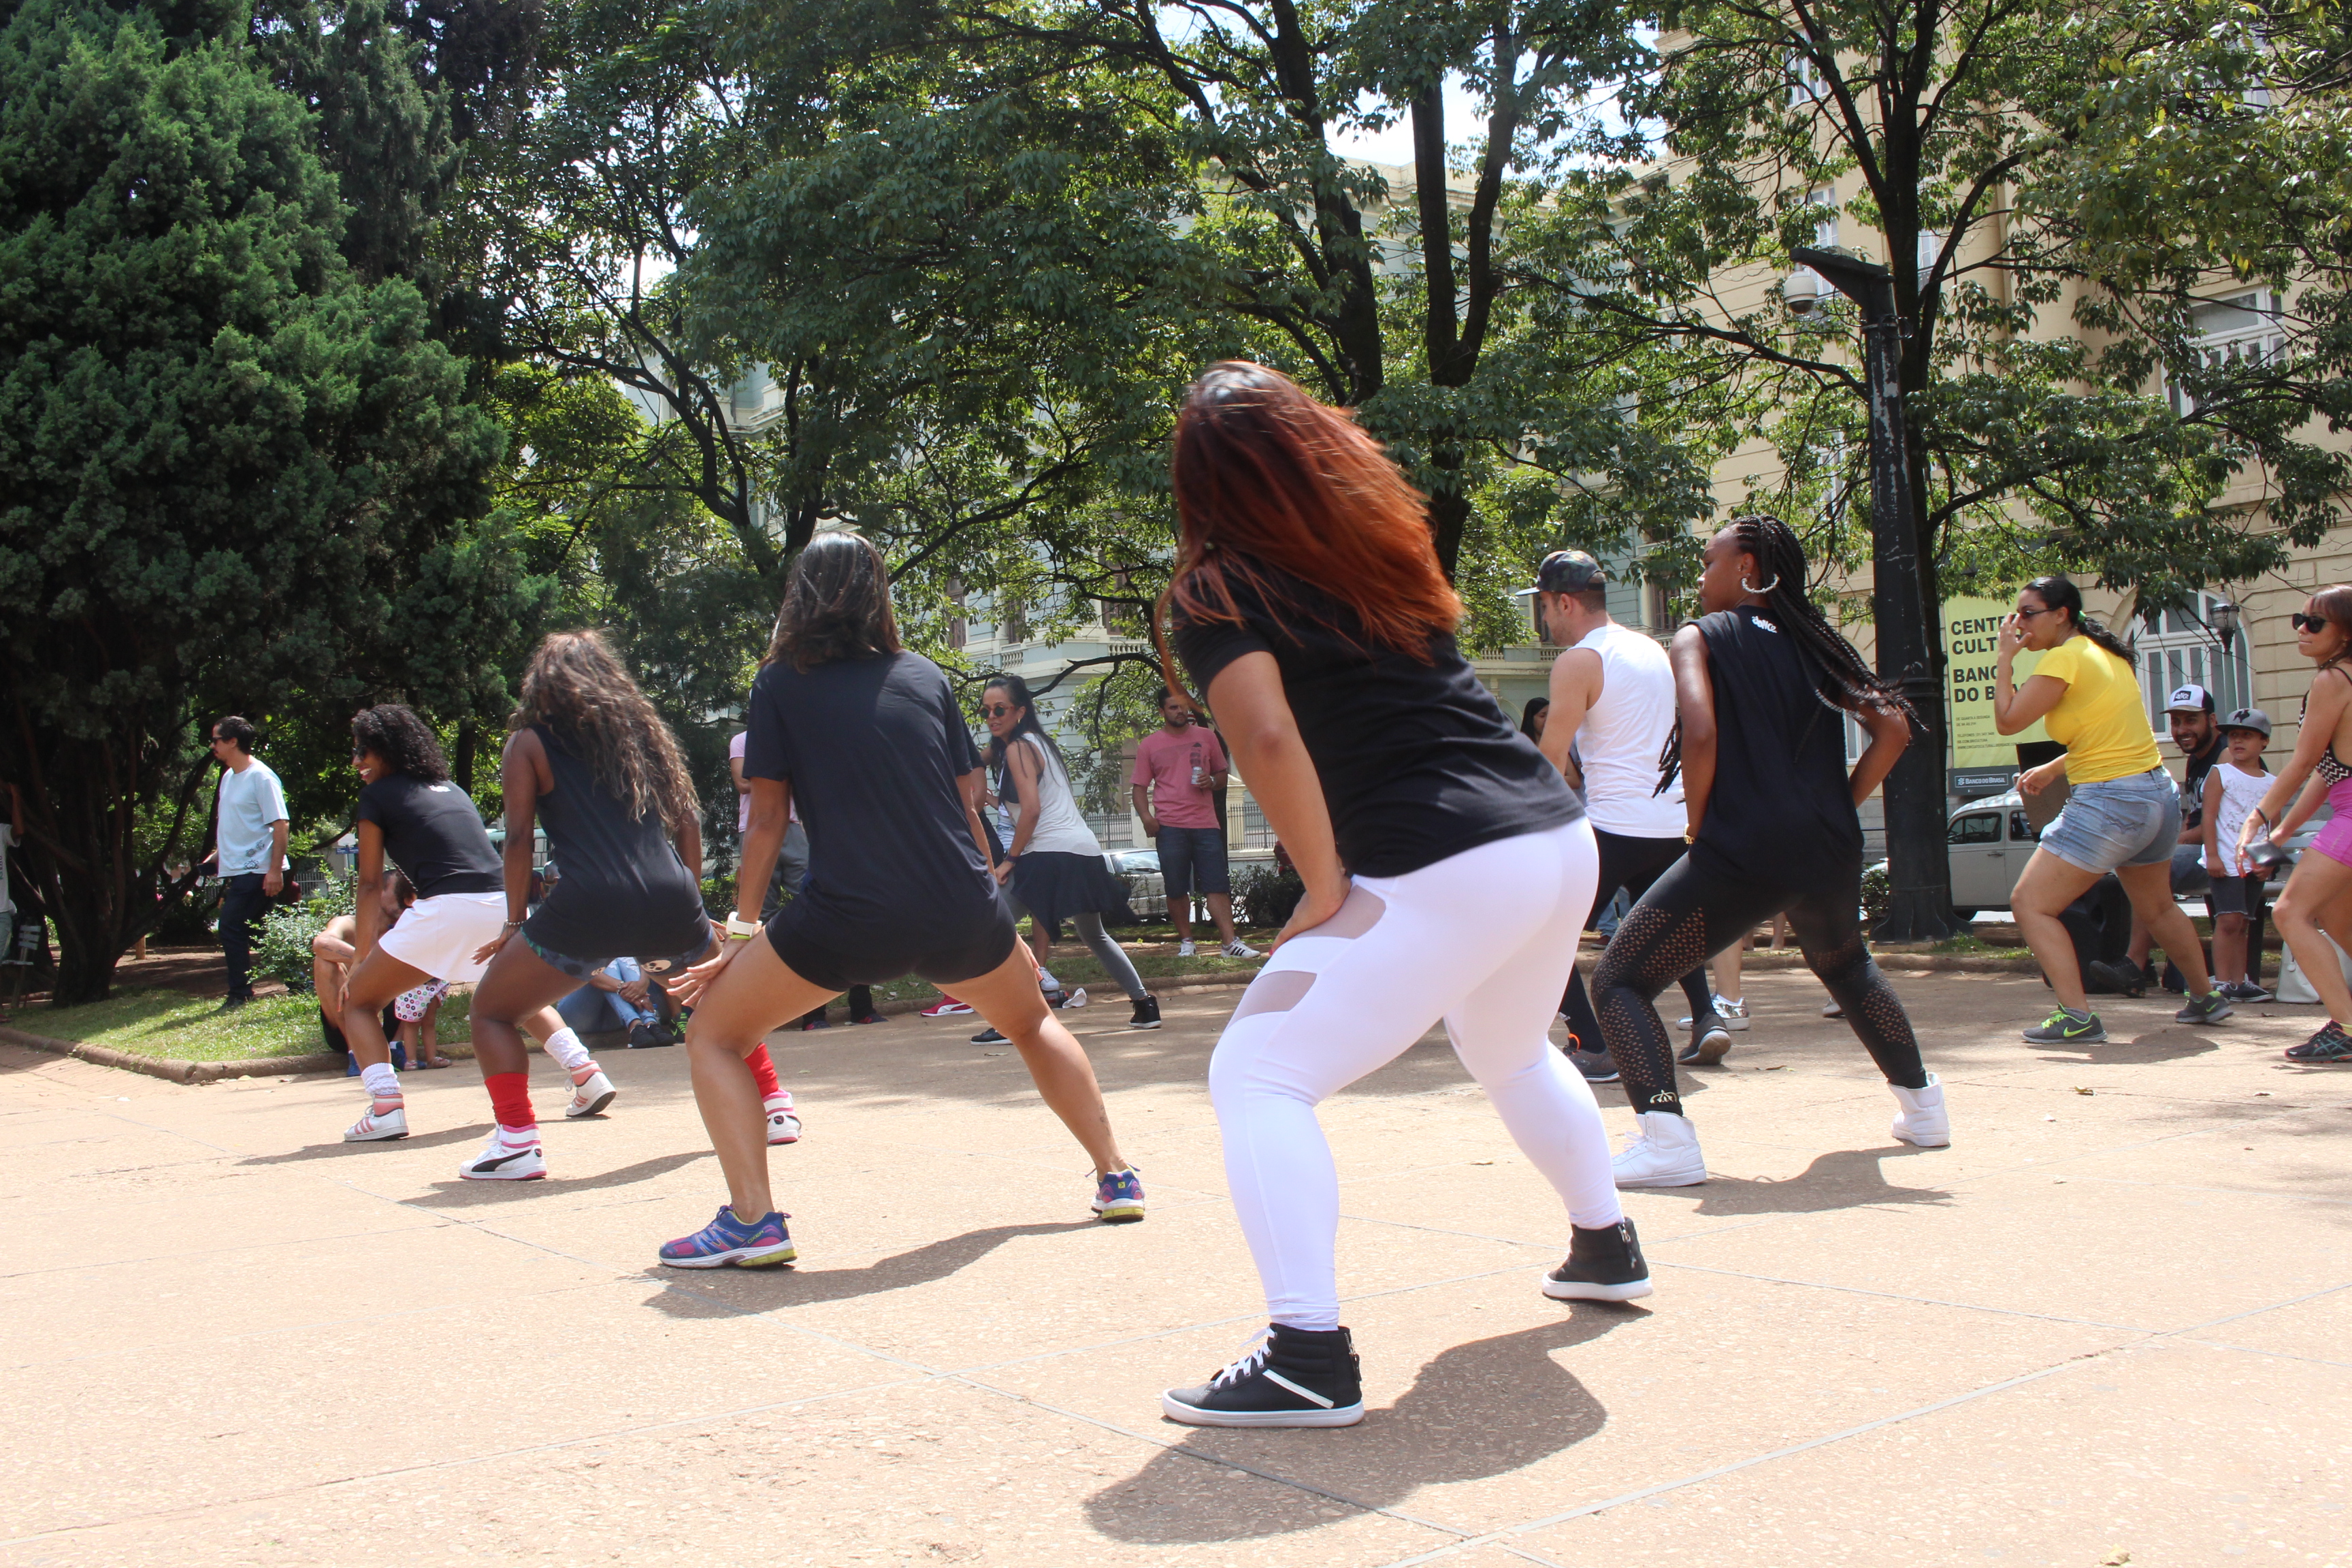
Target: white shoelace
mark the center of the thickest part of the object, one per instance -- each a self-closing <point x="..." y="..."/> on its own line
<point x="1261" y="1346"/>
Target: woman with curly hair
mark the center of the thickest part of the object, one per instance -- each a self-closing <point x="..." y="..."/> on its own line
<point x="411" y="813"/>
<point x="591" y="762"/>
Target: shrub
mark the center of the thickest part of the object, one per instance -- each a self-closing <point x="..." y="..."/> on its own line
<point x="1265" y="894"/>
<point x="283" y="951"/>
<point x="1876" y="892"/>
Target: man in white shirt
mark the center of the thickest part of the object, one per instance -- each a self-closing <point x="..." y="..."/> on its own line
<point x="249" y="839"/>
<point x="1613" y="698"/>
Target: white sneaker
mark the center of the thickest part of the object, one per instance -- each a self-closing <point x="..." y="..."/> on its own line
<point x="1732" y="1011"/>
<point x="378" y="1125"/>
<point x="1184" y="949"/>
<point x="501" y="1161"/>
<point x="1924" y="1121"/>
<point x="1664" y="1154"/>
<point x="783" y="1126"/>
<point x="1238" y="948"/>
<point x="1076" y="998"/>
<point x="1833" y="1009"/>
<point x="592" y="1096"/>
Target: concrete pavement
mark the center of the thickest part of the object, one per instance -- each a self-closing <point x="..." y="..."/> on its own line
<point x="2104" y="1323"/>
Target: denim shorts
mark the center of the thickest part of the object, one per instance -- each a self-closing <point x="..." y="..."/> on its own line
<point x="2133" y="821"/>
<point x="1193" y="860"/>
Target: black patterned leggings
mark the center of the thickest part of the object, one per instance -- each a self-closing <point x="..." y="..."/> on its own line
<point x="1687" y="917"/>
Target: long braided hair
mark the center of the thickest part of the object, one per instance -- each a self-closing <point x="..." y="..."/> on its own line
<point x="1842" y="681"/>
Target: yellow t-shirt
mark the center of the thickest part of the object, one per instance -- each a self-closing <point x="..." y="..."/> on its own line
<point x="2101" y="720"/>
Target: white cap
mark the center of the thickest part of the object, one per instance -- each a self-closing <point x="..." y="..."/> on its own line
<point x="2190" y="700"/>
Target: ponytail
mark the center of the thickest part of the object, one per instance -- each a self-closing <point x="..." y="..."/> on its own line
<point x="2060" y="594"/>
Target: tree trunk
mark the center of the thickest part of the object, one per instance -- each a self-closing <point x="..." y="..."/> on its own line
<point x="1449" y="517"/>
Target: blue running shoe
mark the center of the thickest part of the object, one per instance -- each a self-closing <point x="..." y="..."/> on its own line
<point x="729" y="1240"/>
<point x="1119" y="1197"/>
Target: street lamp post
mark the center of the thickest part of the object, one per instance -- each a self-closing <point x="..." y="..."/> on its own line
<point x="1919" y="904"/>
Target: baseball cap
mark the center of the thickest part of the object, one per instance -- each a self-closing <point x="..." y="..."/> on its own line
<point x="1567" y="571"/>
<point x="2248" y="719"/>
<point x="2190" y="700"/>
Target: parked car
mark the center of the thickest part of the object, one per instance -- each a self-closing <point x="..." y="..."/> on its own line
<point x="1991" y="839"/>
<point x="1147" y="892"/>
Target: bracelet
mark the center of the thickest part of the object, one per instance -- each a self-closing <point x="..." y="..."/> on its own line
<point x="511" y="925"/>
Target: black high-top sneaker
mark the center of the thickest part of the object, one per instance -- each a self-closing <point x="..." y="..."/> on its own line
<point x="1147" y="1012"/>
<point x="1603" y="1265"/>
<point x="1289" y="1377"/>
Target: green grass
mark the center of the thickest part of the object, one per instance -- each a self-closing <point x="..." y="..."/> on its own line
<point x="1974" y="946"/>
<point x="167" y="1024"/>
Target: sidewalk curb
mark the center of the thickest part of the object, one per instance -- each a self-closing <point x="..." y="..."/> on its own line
<point x="1896" y="958"/>
<point x="178" y="1070"/>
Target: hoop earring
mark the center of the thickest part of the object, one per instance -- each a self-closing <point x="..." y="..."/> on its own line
<point x="1748" y="587"/>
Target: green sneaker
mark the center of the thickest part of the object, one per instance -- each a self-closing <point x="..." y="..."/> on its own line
<point x="2209" y="1008"/>
<point x="2067" y="1027"/>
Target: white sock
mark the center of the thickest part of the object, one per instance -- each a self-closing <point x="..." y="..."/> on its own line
<point x="1313" y="1323"/>
<point x="382" y="1080"/>
<point x="565" y="1047"/>
<point x="519" y="1136"/>
<point x="779" y="1100"/>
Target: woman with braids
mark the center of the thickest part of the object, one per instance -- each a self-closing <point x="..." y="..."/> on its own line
<point x="2122" y="812"/>
<point x="1762" y="686"/>
<point x="1055" y="865"/>
<point x="1448" y="865"/>
<point x="868" y="741"/>
<point x="2317" y="902"/>
<point x="410" y="812"/>
<point x="592" y="762"/>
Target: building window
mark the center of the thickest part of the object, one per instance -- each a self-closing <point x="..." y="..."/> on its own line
<point x="1825" y="222"/>
<point x="2183" y="651"/>
<point x="2242" y="329"/>
<point x="1931" y="246"/>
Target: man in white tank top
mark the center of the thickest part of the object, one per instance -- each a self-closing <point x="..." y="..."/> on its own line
<point x="1612" y="698"/>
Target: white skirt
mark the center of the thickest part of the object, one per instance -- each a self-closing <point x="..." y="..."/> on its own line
<point x="441" y="934"/>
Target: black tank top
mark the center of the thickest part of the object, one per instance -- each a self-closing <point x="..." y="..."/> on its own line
<point x="621" y="891"/>
<point x="1781" y="814"/>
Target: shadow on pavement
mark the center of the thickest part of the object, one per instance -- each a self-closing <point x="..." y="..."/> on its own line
<point x="462" y="1193"/>
<point x="767" y="1290"/>
<point x="1849" y="1178"/>
<point x="2170" y="1045"/>
<point x="337" y="1151"/>
<point x="1477" y="1410"/>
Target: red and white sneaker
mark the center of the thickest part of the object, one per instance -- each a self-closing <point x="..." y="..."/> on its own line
<point x="783" y="1126"/>
<point x="511" y="1155"/>
<point x="945" y="1007"/>
<point x="378" y="1126"/>
<point x="590" y="1094"/>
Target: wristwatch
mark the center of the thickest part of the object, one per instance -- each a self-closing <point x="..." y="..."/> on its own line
<point x="740" y="929"/>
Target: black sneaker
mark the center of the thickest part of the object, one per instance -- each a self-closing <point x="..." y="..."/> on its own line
<point x="1288" y="1377"/>
<point x="2244" y="991"/>
<point x="645" y="1037"/>
<point x="2331" y="1044"/>
<point x="2123" y="979"/>
<point x="2064" y="1026"/>
<point x="1147" y="1012"/>
<point x="2209" y="1008"/>
<point x="988" y="1037"/>
<point x="1710" y="1041"/>
<point x="1596" y="1066"/>
<point x="1603" y="1265"/>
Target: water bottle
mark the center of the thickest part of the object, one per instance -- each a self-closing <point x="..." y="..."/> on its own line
<point x="1200" y="774"/>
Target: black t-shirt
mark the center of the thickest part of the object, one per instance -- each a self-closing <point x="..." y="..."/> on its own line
<point x="1781" y="813"/>
<point x="622" y="892"/>
<point x="873" y="748"/>
<point x="432" y="832"/>
<point x="1416" y="760"/>
<point x="2192" y="788"/>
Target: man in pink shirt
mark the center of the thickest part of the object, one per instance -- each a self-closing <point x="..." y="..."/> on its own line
<point x="1179" y="769"/>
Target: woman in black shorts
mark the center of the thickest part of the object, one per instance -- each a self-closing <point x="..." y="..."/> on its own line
<point x="1763" y="685"/>
<point x="411" y="814"/>
<point x="867" y="741"/>
<point x="592" y="762"/>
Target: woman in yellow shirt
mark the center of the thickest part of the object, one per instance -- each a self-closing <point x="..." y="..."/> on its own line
<point x="2122" y="812"/>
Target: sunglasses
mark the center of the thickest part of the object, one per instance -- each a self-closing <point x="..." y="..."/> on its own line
<point x="1000" y="711"/>
<point x="2304" y="623"/>
<point x="2029" y="615"/>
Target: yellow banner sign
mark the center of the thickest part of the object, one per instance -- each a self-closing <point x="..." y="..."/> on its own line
<point x="1969" y="625"/>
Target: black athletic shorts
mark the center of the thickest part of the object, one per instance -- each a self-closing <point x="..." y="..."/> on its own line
<point x="837" y="955"/>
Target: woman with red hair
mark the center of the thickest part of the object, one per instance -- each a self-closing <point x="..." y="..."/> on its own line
<point x="1448" y="867"/>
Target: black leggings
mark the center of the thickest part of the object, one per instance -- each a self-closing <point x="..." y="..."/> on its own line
<point x="1687" y="917"/>
<point x="1632" y="864"/>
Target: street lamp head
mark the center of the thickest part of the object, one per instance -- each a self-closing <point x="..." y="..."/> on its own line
<point x="2224" y="620"/>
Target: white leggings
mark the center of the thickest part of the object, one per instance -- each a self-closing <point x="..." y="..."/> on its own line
<point x="1483" y="940"/>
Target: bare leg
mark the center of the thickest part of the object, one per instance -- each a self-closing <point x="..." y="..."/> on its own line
<point x="2043" y="894"/>
<point x="376" y="980"/>
<point x="2150" y="887"/>
<point x="519" y="986"/>
<point x="756" y="993"/>
<point x="1221" y="909"/>
<point x="2316" y="904"/>
<point x="2230" y="948"/>
<point x="1007" y="998"/>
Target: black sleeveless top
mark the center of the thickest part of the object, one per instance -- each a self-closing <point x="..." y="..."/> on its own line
<point x="1781" y="814"/>
<point x="621" y="891"/>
